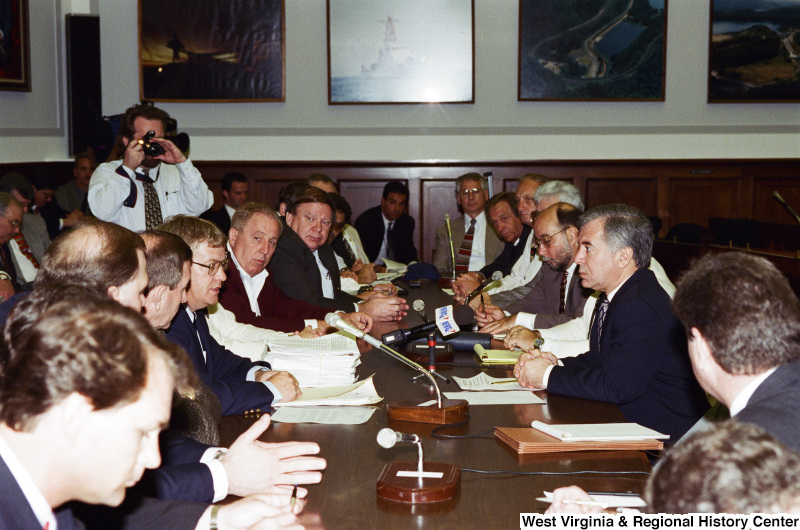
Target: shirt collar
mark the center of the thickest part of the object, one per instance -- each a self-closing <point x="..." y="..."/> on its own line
<point x="741" y="399"/>
<point x="230" y="211"/>
<point x="39" y="505"/>
<point x="245" y="277"/>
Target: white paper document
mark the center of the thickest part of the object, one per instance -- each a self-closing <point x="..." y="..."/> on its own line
<point x="327" y="360"/>
<point x="607" y="500"/>
<point x="596" y="432"/>
<point x="487" y="382"/>
<point x="497" y="398"/>
<point x="326" y="415"/>
<point x="394" y="266"/>
<point x="361" y="393"/>
<point x="333" y="344"/>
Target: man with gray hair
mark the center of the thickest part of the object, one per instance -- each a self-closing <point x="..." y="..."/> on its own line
<point x="637" y="358"/>
<point x="475" y="243"/>
<point x="10" y="221"/>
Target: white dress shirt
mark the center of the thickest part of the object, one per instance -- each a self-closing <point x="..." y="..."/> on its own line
<point x="39" y="505"/>
<point x="529" y="319"/>
<point x="477" y="258"/>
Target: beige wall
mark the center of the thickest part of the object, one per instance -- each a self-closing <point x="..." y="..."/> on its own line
<point x="496" y="127"/>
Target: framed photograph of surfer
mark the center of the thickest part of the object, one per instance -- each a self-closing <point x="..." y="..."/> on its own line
<point x="592" y="50"/>
<point x="401" y="51"/>
<point x="15" y="53"/>
<point x="754" y="52"/>
<point x="210" y="51"/>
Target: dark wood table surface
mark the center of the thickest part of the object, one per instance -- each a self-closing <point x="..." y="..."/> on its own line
<point x="346" y="497"/>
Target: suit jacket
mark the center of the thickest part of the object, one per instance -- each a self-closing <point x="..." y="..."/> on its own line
<point x="544" y="300"/>
<point x="401" y="239"/>
<point x="222" y="371"/>
<point x="297" y="273"/>
<point x="641" y="364"/>
<point x="220" y="218"/>
<point x="278" y="311"/>
<point x="773" y="406"/>
<point x="493" y="245"/>
<point x="511" y="253"/>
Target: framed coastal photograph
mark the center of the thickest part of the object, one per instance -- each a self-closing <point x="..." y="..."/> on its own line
<point x="602" y="50"/>
<point x="209" y="51"/>
<point x="754" y="51"/>
<point x="15" y="62"/>
<point x="401" y="51"/>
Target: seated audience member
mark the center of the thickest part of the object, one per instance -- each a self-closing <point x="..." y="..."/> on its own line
<point x="240" y="384"/>
<point x="250" y="292"/>
<point x="558" y="296"/>
<point x="234" y="192"/>
<point x="102" y="371"/>
<point x="305" y="267"/>
<point x="474" y="243"/>
<point x="23" y="260"/>
<point x="346" y="243"/>
<point x="141" y="190"/>
<point x="742" y="320"/>
<point x="71" y="196"/>
<point x="54" y="217"/>
<point x="504" y="218"/>
<point x="387" y="231"/>
<point x="731" y="467"/>
<point x="11" y="219"/>
<point x="323" y="182"/>
<point x="637" y="358"/>
<point x="108" y="259"/>
<point x="288" y="195"/>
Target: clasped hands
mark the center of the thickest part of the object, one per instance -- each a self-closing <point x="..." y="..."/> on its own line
<point x="532" y="364"/>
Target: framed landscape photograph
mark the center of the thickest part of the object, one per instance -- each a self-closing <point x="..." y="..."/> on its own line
<point x="401" y="51"/>
<point x="754" y="51"/>
<point x="600" y="50"/>
<point x="15" y="63"/>
<point x="207" y="51"/>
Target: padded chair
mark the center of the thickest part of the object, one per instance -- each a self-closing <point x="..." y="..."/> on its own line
<point x="685" y="233"/>
<point x="740" y="232"/>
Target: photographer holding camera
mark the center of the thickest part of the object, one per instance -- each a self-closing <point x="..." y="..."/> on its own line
<point x="153" y="181"/>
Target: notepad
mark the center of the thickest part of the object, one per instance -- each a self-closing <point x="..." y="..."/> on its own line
<point x="597" y="432"/>
<point x="497" y="357"/>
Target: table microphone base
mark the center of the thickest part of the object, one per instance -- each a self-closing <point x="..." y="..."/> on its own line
<point x="414" y="490"/>
<point x="452" y="411"/>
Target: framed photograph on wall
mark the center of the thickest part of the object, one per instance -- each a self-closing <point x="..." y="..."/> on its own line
<point x="754" y="52"/>
<point x="209" y="51"/>
<point x="596" y="50"/>
<point x="15" y="54"/>
<point x="401" y="51"/>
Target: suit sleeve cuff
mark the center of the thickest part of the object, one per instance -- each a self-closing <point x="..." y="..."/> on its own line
<point x="218" y="476"/>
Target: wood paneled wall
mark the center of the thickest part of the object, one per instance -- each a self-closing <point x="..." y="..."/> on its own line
<point x="677" y="191"/>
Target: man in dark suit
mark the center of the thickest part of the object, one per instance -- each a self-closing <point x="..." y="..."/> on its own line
<point x="743" y="323"/>
<point x="99" y="369"/>
<point x="253" y="238"/>
<point x="240" y="384"/>
<point x="637" y="358"/>
<point x="305" y="267"/>
<point x="558" y="296"/>
<point x="387" y="231"/>
<point x="234" y="191"/>
<point x="10" y="220"/>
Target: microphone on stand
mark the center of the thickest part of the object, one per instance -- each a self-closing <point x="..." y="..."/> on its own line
<point x="439" y="482"/>
<point x="783" y="202"/>
<point x="419" y="307"/>
<point x="450" y="240"/>
<point x="445" y="411"/>
<point x="496" y="275"/>
<point x="461" y="314"/>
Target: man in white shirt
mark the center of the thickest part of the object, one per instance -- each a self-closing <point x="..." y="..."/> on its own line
<point x="141" y="190"/>
<point x="474" y="242"/>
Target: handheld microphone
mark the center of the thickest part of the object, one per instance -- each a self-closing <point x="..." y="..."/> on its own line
<point x="783" y="202"/>
<point x="387" y="438"/>
<point x="496" y="275"/>
<point x="419" y="307"/>
<point x="461" y="314"/>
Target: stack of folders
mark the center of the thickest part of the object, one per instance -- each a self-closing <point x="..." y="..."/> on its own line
<point x="544" y="438"/>
<point x="496" y="357"/>
<point x="321" y="361"/>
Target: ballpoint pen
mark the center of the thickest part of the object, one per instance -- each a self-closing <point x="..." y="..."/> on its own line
<point x="294" y="498"/>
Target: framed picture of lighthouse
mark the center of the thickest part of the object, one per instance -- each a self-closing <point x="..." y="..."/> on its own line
<point x="401" y="51"/>
<point x="209" y="51"/>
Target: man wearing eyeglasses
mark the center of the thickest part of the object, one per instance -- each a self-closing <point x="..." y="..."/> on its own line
<point x="474" y="242"/>
<point x="11" y="213"/>
<point x="558" y="295"/>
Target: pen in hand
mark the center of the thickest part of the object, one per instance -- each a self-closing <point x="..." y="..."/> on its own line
<point x="293" y="500"/>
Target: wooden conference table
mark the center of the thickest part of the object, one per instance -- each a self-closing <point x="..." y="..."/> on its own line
<point x="346" y="497"/>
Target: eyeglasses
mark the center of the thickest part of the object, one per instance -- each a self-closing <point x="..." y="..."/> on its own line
<point x="13" y="222"/>
<point x="214" y="266"/>
<point x="545" y="241"/>
<point x="473" y="191"/>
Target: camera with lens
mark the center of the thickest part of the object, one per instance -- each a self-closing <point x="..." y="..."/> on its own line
<point x="151" y="148"/>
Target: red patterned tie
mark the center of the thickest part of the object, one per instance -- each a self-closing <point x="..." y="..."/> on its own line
<point x="25" y="249"/>
<point x="465" y="250"/>
<point x="562" y="305"/>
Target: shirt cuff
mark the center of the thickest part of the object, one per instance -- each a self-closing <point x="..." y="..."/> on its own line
<point x="218" y="476"/>
<point x="526" y="319"/>
<point x="546" y="376"/>
<point x="251" y="376"/>
<point x="311" y="322"/>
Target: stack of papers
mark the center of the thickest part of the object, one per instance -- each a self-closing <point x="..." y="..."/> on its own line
<point x="321" y="361"/>
<point x="361" y="393"/>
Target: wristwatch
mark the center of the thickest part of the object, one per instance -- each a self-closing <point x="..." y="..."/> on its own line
<point x="538" y="343"/>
